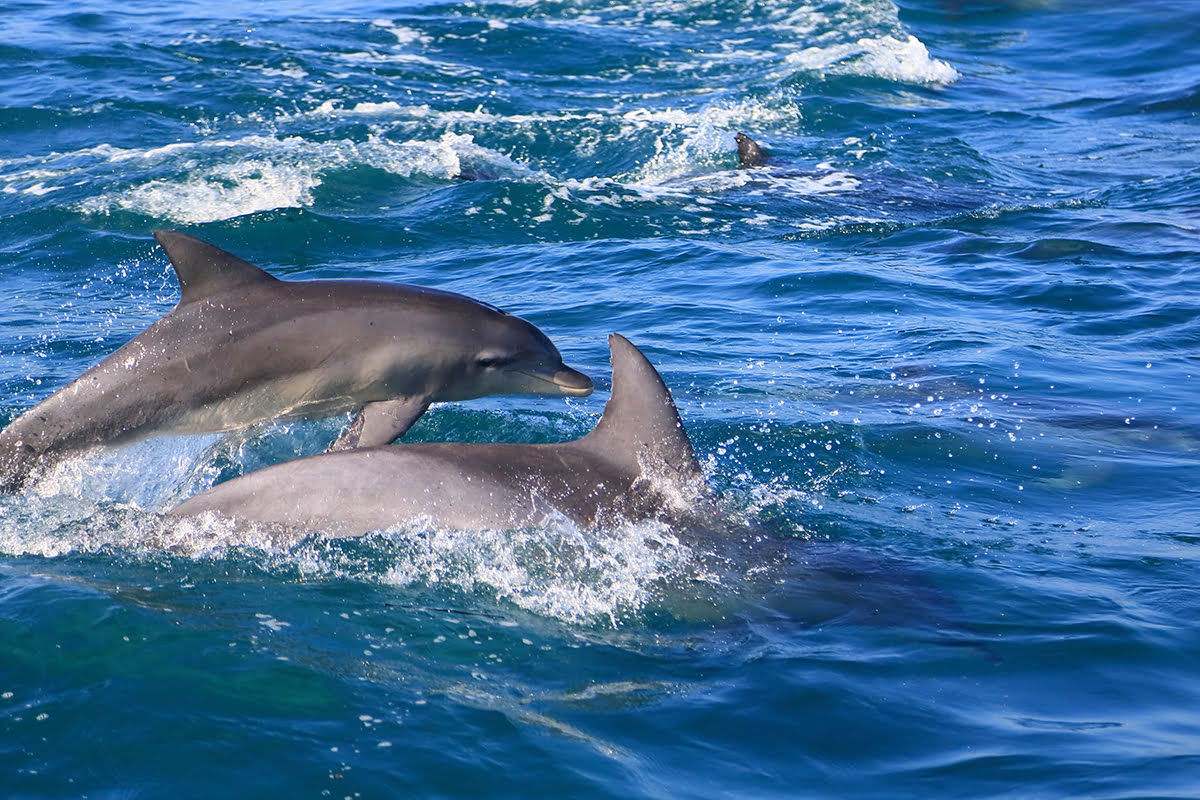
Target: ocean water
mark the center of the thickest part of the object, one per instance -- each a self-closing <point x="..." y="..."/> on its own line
<point x="940" y="354"/>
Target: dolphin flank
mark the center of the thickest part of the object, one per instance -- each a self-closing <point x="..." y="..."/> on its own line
<point x="636" y="464"/>
<point x="242" y="347"/>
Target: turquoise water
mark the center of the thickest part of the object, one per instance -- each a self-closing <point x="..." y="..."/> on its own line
<point x="941" y="351"/>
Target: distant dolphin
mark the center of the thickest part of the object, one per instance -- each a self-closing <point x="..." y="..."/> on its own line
<point x="749" y="152"/>
<point x="242" y="347"/>
<point x="637" y="464"/>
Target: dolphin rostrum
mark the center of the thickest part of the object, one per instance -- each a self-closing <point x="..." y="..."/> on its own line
<point x="636" y="464"/>
<point x="242" y="347"/>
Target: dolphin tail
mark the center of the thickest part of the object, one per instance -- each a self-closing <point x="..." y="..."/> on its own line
<point x="640" y="428"/>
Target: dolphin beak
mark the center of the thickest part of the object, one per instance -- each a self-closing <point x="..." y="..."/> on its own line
<point x="572" y="383"/>
<point x="563" y="381"/>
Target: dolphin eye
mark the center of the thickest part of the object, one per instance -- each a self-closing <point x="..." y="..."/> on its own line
<point x="490" y="362"/>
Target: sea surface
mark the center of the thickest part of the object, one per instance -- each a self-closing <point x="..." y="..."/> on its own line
<point x="940" y="356"/>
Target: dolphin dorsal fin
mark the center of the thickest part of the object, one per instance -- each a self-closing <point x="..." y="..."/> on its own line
<point x="640" y="427"/>
<point x="749" y="152"/>
<point x="204" y="269"/>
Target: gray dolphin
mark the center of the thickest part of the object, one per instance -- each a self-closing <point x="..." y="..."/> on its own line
<point x="636" y="464"/>
<point x="241" y="347"/>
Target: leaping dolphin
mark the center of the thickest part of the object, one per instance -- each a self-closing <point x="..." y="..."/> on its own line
<point x="637" y="464"/>
<point x="242" y="346"/>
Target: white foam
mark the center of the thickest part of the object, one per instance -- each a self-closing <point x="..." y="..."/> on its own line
<point x="558" y="571"/>
<point x="390" y="110"/>
<point x="404" y="35"/>
<point x="836" y="221"/>
<point x="221" y="192"/>
<point x="38" y="189"/>
<point x="225" y="178"/>
<point x="372" y="58"/>
<point x="577" y="576"/>
<point x="386" y="108"/>
<point x="859" y="37"/>
<point x="689" y="140"/>
<point x="294" y="72"/>
<point x="902" y="60"/>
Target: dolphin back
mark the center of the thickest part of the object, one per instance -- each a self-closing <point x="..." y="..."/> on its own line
<point x="640" y="429"/>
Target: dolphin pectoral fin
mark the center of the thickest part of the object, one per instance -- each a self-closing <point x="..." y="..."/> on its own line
<point x="380" y="423"/>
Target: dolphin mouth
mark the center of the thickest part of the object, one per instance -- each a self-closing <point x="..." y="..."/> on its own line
<point x="566" y="381"/>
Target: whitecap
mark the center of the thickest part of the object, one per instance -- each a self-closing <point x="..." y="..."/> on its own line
<point x="221" y="192"/>
<point x="223" y="179"/>
<point x="404" y="34"/>
<point x="901" y="60"/>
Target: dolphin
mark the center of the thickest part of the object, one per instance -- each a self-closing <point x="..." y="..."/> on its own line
<point x="636" y="464"/>
<point x="749" y="152"/>
<point x="242" y="346"/>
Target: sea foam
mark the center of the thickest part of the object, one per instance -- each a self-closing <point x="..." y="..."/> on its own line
<point x="221" y="179"/>
<point x="902" y="60"/>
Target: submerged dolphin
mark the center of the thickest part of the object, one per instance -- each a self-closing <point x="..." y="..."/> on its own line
<point x="636" y="464"/>
<point x="241" y="347"/>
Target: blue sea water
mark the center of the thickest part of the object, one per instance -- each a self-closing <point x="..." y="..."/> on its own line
<point x="942" y="352"/>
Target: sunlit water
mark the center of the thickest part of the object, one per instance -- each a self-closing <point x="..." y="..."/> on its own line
<point x="939" y="356"/>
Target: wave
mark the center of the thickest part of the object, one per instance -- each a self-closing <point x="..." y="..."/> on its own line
<point x="222" y="179"/>
<point x="410" y="98"/>
<point x="890" y="58"/>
